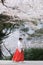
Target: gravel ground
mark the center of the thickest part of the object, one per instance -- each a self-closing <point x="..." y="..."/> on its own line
<point x="21" y="63"/>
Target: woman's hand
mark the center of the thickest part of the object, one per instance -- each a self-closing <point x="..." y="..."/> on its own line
<point x="21" y="49"/>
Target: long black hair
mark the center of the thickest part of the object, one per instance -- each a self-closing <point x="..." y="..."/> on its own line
<point x="20" y="39"/>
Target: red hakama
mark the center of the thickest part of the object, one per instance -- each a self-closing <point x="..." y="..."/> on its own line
<point x="18" y="56"/>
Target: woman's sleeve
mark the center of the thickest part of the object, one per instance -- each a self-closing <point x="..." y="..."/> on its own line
<point x="20" y="46"/>
<point x="24" y="45"/>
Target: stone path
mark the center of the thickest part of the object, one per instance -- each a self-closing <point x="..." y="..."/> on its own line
<point x="21" y="63"/>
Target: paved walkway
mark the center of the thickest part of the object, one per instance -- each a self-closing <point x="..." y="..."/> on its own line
<point x="21" y="63"/>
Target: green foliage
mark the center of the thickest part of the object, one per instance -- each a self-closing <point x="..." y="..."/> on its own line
<point x="2" y="27"/>
<point x="33" y="54"/>
<point x="34" y="22"/>
<point x="40" y="31"/>
<point x="4" y="18"/>
<point x="7" y="58"/>
<point x="25" y="29"/>
<point x="30" y="54"/>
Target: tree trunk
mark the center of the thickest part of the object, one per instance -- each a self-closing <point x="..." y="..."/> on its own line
<point x="0" y="53"/>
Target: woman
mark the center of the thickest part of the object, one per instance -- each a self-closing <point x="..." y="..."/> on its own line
<point x="19" y="54"/>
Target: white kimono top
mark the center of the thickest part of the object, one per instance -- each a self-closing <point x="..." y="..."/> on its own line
<point x="21" y="46"/>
